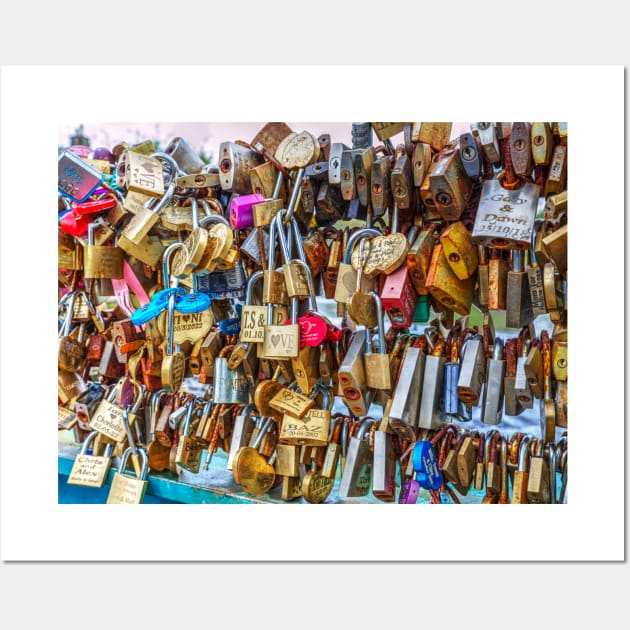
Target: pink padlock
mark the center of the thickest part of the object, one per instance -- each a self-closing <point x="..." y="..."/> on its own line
<point x="241" y="214"/>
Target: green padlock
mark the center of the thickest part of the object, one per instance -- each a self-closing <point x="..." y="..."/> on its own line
<point x="421" y="313"/>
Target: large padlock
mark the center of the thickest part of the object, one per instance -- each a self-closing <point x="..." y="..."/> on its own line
<point x="505" y="218"/>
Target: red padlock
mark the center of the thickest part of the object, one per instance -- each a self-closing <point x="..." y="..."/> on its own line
<point x="89" y="208"/>
<point x="399" y="298"/>
<point x="75" y="225"/>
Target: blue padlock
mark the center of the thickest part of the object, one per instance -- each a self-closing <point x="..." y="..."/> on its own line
<point x="425" y="464"/>
<point x="145" y="313"/>
<point x="193" y="303"/>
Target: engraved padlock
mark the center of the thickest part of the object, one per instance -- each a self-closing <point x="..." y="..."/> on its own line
<point x="126" y="489"/>
<point x="102" y="261"/>
<point x="91" y="469"/>
<point x="505" y="218"/>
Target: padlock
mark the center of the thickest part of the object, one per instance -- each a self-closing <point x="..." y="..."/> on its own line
<point x="486" y="133"/>
<point x="557" y="177"/>
<point x="547" y="404"/>
<point x="332" y="455"/>
<point x="472" y="371"/>
<point x="347" y="276"/>
<point x="313" y="428"/>
<point x="522" y="390"/>
<point x="535" y="278"/>
<point x="401" y="182"/>
<point x="241" y="212"/>
<point x="493" y="467"/>
<point x="363" y="161"/>
<point x="250" y="469"/>
<point x="143" y="174"/>
<point x="141" y="223"/>
<point x="187" y="159"/>
<point x="451" y="187"/>
<point x="505" y="218"/>
<point x="87" y="403"/>
<point x="513" y="406"/>
<point x="356" y="478"/>
<point x="555" y="246"/>
<point x="431" y="412"/>
<point x="352" y="380"/>
<point x="556" y="206"/>
<point x="521" y="474"/>
<point x="541" y="143"/>
<point x="347" y="185"/>
<point x="492" y="401"/>
<point x="519" y="310"/>
<point x="173" y="365"/>
<point x="189" y="449"/>
<point x="380" y="191"/>
<point x="405" y="404"/>
<point x="235" y="163"/>
<point x="90" y="469"/>
<point x="419" y="258"/>
<point x="538" y="482"/>
<point x="72" y="351"/>
<point x="102" y="261"/>
<point x="459" y="249"/>
<point x="436" y="134"/>
<point x="253" y="317"/>
<point x="77" y="179"/>
<point x="471" y="156"/>
<point x="497" y="281"/>
<point x="520" y="148"/>
<point x="426" y="466"/>
<point x="384" y="468"/>
<point x="399" y="298"/>
<point x="377" y="365"/>
<point x="126" y="489"/>
<point x="230" y="385"/>
<point x="446" y="287"/>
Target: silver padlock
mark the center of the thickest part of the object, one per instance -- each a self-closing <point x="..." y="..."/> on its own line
<point x="492" y="405"/>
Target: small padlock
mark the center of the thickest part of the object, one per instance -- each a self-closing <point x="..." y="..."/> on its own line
<point x="492" y="402"/>
<point x="126" y="489"/>
<point x="90" y="470"/>
<point x="377" y="365"/>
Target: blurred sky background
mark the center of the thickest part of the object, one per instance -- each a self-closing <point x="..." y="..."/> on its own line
<point x="206" y="136"/>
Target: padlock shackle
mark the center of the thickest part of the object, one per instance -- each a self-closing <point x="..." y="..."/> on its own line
<point x="165" y="157"/>
<point x="358" y="235"/>
<point x="255" y="277"/>
<point x="67" y="321"/>
<point x="212" y="218"/>
<point x="382" y="348"/>
<point x="295" y="192"/>
<point x="145" y="461"/>
<point x="282" y="238"/>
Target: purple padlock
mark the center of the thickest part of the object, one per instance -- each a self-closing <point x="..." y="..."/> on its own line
<point x="241" y="214"/>
<point x="409" y="491"/>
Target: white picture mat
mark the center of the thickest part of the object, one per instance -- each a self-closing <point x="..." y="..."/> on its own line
<point x="590" y="527"/>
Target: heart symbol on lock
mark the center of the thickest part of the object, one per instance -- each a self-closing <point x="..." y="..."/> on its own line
<point x="185" y="318"/>
<point x="275" y="339"/>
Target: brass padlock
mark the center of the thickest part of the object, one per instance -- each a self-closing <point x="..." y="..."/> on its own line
<point x="446" y="287"/>
<point x="459" y="249"/>
<point x="451" y="187"/>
